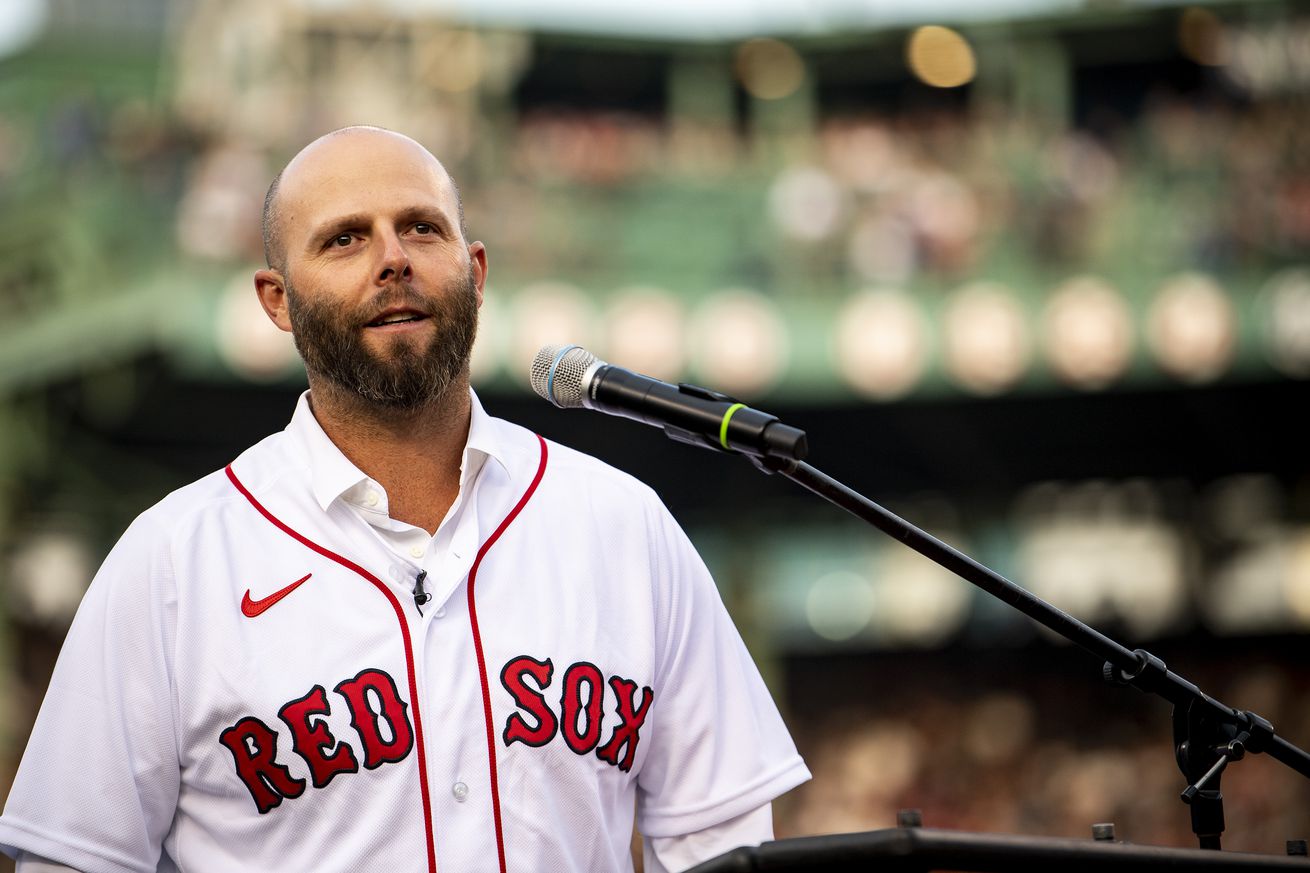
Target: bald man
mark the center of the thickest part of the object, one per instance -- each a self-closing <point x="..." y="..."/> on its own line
<point x="400" y="634"/>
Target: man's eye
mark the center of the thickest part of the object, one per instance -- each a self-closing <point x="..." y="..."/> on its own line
<point x="423" y="227"/>
<point x="342" y="240"/>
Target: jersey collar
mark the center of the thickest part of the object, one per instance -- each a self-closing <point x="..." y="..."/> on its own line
<point x="332" y="474"/>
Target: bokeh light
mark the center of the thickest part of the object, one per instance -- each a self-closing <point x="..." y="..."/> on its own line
<point x="246" y="338"/>
<point x="1095" y="554"/>
<point x="986" y="338"/>
<point x="646" y="332"/>
<point x="882" y="343"/>
<point x="1201" y="36"/>
<point x="839" y="605"/>
<point x="548" y="313"/>
<point x="769" y="69"/>
<point x="48" y="571"/>
<point x="21" y="22"/>
<point x="1296" y="578"/>
<point x="1087" y="331"/>
<point x="1285" y="310"/>
<point x="1193" y="328"/>
<point x="806" y="203"/>
<point x="740" y="341"/>
<point x="940" y="57"/>
<point x="919" y="602"/>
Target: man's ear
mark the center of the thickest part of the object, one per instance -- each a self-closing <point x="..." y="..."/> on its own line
<point x="478" y="260"/>
<point x="271" y="289"/>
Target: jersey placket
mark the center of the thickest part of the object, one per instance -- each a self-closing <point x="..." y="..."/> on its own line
<point x="448" y="681"/>
<point x="457" y="777"/>
<point x="445" y="662"/>
<point x="441" y="560"/>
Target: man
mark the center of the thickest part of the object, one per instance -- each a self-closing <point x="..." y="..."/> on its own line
<point x="401" y="634"/>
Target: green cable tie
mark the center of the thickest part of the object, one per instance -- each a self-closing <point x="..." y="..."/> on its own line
<point x="723" y="428"/>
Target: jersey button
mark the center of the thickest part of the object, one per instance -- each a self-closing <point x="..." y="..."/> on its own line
<point x="441" y="613"/>
<point x="461" y="792"/>
<point x="416" y="551"/>
<point x="371" y="498"/>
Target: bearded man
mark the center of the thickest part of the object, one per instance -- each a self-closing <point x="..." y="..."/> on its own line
<point x="399" y="635"/>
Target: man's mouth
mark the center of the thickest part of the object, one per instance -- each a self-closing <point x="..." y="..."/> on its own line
<point x="397" y="318"/>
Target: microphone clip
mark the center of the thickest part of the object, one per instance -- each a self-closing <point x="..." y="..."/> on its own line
<point x="691" y="437"/>
<point x="767" y="464"/>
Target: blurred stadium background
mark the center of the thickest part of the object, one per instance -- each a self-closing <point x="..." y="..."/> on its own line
<point x="1033" y="273"/>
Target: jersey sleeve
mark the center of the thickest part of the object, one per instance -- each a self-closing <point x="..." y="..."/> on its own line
<point x="32" y="864"/>
<point x="719" y="746"/>
<point x="670" y="854"/>
<point x="98" y="784"/>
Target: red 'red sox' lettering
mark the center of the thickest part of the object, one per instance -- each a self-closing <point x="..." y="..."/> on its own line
<point x="393" y="711"/>
<point x="253" y="744"/>
<point x="582" y="739"/>
<point x="582" y="709"/>
<point x="516" y="727"/>
<point x="309" y="739"/>
<point x="626" y="733"/>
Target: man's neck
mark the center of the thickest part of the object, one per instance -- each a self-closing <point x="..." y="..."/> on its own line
<point x="414" y="454"/>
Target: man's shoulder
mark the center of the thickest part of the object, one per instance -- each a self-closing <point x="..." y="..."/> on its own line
<point x="180" y="509"/>
<point x="576" y="470"/>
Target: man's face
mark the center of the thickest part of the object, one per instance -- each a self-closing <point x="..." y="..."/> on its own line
<point x="403" y="374"/>
<point x="379" y="289"/>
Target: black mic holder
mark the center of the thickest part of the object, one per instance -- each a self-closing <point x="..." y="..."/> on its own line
<point x="742" y="430"/>
<point x="1208" y="734"/>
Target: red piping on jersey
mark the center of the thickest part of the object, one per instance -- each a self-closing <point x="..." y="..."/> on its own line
<point x="404" y="634"/>
<point x="477" y="648"/>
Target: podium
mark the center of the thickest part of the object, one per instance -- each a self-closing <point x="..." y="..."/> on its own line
<point x="919" y="850"/>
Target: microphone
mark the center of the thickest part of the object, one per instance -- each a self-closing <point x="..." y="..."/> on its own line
<point x="570" y="376"/>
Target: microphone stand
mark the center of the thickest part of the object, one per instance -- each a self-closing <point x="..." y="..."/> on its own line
<point x="1208" y="734"/>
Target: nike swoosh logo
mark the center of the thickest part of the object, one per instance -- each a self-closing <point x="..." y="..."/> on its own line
<point x="251" y="608"/>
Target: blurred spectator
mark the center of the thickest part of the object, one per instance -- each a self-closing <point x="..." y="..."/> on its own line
<point x="1044" y="760"/>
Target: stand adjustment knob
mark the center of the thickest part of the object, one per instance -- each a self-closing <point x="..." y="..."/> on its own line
<point x="909" y="818"/>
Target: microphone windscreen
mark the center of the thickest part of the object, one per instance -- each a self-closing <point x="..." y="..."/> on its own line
<point x="557" y="374"/>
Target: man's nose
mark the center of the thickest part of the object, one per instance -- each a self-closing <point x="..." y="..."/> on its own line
<point x="393" y="260"/>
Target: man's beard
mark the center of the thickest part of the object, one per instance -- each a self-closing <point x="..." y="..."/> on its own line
<point x="330" y="340"/>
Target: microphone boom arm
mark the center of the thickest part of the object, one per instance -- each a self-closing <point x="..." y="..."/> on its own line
<point x="1206" y="731"/>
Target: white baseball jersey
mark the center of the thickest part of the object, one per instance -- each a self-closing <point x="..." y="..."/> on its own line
<point x="249" y="683"/>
